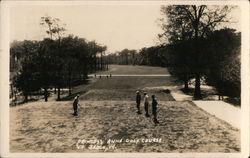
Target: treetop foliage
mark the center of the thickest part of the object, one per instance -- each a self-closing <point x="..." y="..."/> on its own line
<point x="183" y="22"/>
<point x="52" y="62"/>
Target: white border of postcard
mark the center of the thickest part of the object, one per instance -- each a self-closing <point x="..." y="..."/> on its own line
<point x="4" y="82"/>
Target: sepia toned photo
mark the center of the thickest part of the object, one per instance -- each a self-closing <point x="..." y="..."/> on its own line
<point x="125" y="78"/>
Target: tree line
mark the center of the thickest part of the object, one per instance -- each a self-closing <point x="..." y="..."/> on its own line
<point x="153" y="56"/>
<point x="54" y="62"/>
<point x="194" y="45"/>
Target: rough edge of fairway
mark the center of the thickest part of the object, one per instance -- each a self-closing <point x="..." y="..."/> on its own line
<point x="222" y="121"/>
<point x="101" y="103"/>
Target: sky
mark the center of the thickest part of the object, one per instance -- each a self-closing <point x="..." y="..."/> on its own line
<point x="116" y="26"/>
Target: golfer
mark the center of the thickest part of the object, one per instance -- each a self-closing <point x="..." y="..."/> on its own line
<point x="138" y="102"/>
<point x="75" y="105"/>
<point x="154" y="109"/>
<point x="146" y="103"/>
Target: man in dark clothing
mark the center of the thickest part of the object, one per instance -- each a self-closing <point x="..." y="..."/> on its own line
<point x="75" y="105"/>
<point x="138" y="101"/>
<point x="154" y="109"/>
<point x="146" y="103"/>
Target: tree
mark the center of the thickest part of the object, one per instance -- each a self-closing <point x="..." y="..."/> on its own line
<point x="79" y="58"/>
<point x="53" y="62"/>
<point x="193" y="22"/>
<point x="22" y="53"/>
<point x="124" y="57"/>
<point x="35" y="67"/>
<point x="102" y="51"/>
<point x="26" y="81"/>
<point x="47" y="66"/>
<point x="224" y="73"/>
<point x="55" y="30"/>
<point x="16" y="54"/>
<point x="95" y="50"/>
<point x="181" y="61"/>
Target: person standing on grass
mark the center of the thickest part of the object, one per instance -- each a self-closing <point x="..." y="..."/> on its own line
<point x="138" y="101"/>
<point x="146" y="103"/>
<point x="75" y="105"/>
<point x="154" y="109"/>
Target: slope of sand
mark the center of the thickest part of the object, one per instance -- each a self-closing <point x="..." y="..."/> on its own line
<point x="50" y="127"/>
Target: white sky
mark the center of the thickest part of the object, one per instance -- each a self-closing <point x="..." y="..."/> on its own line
<point x="116" y="26"/>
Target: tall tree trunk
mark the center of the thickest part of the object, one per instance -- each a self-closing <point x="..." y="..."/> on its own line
<point x="101" y="62"/>
<point x="197" y="91"/>
<point x="133" y="58"/>
<point x="186" y="89"/>
<point x="95" y="62"/>
<point x="12" y="92"/>
<point x="60" y="71"/>
<point x="69" y="82"/>
<point x="126" y="59"/>
<point x="25" y="98"/>
<point x="58" y="93"/>
<point x="70" y="88"/>
<point x="45" y="94"/>
<point x="15" y="98"/>
<point x="69" y="85"/>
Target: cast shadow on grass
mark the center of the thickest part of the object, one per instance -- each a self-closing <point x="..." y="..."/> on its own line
<point x="78" y="88"/>
<point x="18" y="103"/>
<point x="207" y="95"/>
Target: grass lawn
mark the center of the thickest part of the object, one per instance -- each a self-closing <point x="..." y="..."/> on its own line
<point x="124" y="88"/>
<point x="130" y="69"/>
<point x="108" y="112"/>
<point x="50" y="127"/>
